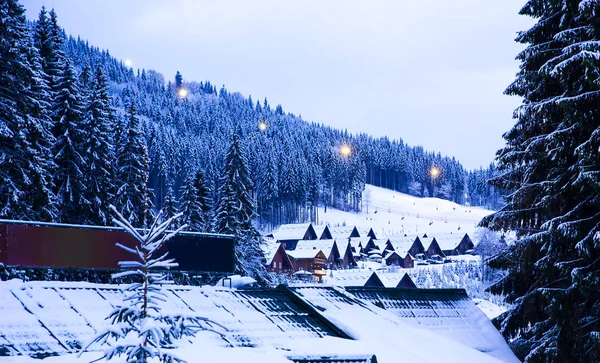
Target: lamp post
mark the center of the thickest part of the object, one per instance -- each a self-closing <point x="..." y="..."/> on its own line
<point x="262" y="126"/>
<point x="434" y="172"/>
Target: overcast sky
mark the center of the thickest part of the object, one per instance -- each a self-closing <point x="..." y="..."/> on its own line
<point x="431" y="72"/>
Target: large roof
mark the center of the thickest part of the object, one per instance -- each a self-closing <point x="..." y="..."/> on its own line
<point x="421" y="318"/>
<point x="53" y="318"/>
<point x="448" y="312"/>
<point x="56" y="318"/>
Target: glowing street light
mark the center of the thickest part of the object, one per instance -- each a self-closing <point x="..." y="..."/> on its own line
<point x="345" y="150"/>
<point x="262" y="126"/>
<point x="182" y="93"/>
<point x="434" y="174"/>
<point x="128" y="62"/>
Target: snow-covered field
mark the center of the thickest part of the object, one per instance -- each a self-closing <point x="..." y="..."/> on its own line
<point x="391" y="212"/>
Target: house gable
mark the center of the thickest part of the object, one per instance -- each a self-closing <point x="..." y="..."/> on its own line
<point x="374" y="281"/>
<point x="326" y="234"/>
<point x="406" y="282"/>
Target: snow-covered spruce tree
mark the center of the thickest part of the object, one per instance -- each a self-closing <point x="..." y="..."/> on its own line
<point x="190" y="207"/>
<point x="133" y="199"/>
<point x="99" y="153"/>
<point x="69" y="178"/>
<point x="169" y="207"/>
<point x="140" y="330"/>
<point x="24" y="137"/>
<point x="552" y="163"/>
<point x="203" y="197"/>
<point x="235" y="211"/>
<point x="39" y="196"/>
<point x="49" y="41"/>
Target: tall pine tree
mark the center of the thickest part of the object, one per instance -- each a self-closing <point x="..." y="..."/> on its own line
<point x="24" y="135"/>
<point x="69" y="178"/>
<point x="99" y="152"/>
<point x="235" y="212"/>
<point x="190" y="207"/>
<point x="203" y="197"/>
<point x="551" y="161"/>
<point x="133" y="197"/>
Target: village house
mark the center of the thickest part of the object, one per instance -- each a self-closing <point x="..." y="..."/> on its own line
<point x="348" y="260"/>
<point x="313" y="261"/>
<point x="453" y="244"/>
<point x="343" y="232"/>
<point x="432" y="248"/>
<point x="327" y="246"/>
<point x="290" y="234"/>
<point x="278" y="260"/>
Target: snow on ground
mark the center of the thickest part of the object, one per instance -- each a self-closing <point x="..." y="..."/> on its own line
<point x="391" y="212"/>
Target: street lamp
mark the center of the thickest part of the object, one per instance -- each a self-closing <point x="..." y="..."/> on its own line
<point x="262" y="126"/>
<point x="182" y="93"/>
<point x="345" y="150"/>
<point x="434" y="171"/>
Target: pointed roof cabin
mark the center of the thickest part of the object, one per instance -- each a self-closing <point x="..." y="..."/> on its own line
<point x="453" y="244"/>
<point x="344" y="232"/>
<point x="290" y="234"/>
<point x="327" y="246"/>
<point x="366" y="232"/>
<point x="323" y="231"/>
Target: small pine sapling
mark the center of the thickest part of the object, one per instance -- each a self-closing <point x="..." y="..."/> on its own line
<point x="139" y="330"/>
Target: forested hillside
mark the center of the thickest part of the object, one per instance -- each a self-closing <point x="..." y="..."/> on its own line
<point x="99" y="133"/>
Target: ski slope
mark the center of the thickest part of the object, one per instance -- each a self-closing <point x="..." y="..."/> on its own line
<point x="391" y="212"/>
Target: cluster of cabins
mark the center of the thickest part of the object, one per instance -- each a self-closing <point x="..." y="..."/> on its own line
<point x="312" y="249"/>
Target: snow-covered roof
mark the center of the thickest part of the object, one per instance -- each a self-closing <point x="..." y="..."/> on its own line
<point x="325" y="245"/>
<point x="425" y="324"/>
<point x="49" y="318"/>
<point x="402" y="244"/>
<point x="304" y="253"/>
<point x="449" y="241"/>
<point x="352" y="277"/>
<point x="270" y="249"/>
<point x="364" y="231"/>
<point x="319" y="229"/>
<point x="343" y="232"/>
<point x="391" y="279"/>
<point x="56" y="318"/>
<point x="291" y="231"/>
<point x="448" y="312"/>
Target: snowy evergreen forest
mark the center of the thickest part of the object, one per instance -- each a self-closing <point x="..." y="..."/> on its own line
<point x="80" y="131"/>
<point x="551" y="161"/>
